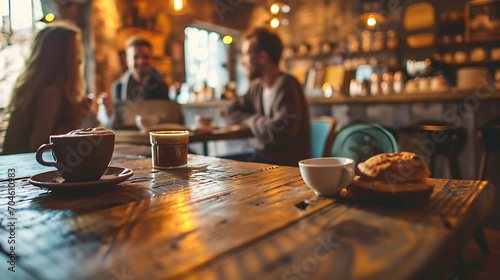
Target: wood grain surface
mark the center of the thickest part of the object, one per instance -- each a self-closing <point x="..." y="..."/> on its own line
<point x="221" y="219"/>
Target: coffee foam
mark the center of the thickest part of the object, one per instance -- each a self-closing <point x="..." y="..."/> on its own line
<point x="169" y="137"/>
<point x="90" y="131"/>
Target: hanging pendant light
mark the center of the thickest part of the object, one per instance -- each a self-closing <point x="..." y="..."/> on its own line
<point x="275" y="23"/>
<point x="371" y="20"/>
<point x="178" y="7"/>
<point x="277" y="10"/>
<point x="277" y="7"/>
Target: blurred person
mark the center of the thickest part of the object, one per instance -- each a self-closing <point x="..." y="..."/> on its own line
<point x="274" y="108"/>
<point x="141" y="81"/>
<point x="48" y="97"/>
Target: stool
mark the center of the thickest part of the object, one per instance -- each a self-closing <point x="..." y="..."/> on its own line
<point x="489" y="140"/>
<point x="448" y="142"/>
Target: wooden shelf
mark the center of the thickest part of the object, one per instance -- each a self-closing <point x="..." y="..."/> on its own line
<point x="408" y="97"/>
<point x="337" y="58"/>
<point x="431" y="96"/>
<point x="437" y="48"/>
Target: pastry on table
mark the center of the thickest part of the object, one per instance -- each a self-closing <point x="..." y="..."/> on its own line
<point x="392" y="179"/>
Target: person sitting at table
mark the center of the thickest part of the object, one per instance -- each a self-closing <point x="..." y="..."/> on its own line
<point x="141" y="81"/>
<point x="48" y="96"/>
<point x="274" y="108"/>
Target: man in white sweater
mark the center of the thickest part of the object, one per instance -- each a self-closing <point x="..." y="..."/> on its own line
<point x="275" y="107"/>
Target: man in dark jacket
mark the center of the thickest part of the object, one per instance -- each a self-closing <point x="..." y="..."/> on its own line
<point x="275" y="107"/>
<point x="141" y="81"/>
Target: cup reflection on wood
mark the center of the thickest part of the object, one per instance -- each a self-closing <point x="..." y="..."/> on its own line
<point x="169" y="149"/>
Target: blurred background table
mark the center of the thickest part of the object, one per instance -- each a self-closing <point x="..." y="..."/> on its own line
<point x="222" y="219"/>
<point x="203" y="136"/>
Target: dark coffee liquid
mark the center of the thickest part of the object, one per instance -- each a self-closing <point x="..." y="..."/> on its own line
<point x="169" y="156"/>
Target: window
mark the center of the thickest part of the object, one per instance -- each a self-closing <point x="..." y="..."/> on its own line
<point x="20" y="19"/>
<point x="206" y="58"/>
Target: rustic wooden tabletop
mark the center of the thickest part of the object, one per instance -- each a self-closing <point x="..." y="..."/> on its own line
<point x="221" y="219"/>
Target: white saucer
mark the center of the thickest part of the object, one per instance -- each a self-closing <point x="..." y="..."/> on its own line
<point x="52" y="180"/>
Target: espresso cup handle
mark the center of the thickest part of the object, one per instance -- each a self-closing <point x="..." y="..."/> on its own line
<point x="39" y="154"/>
<point x="347" y="176"/>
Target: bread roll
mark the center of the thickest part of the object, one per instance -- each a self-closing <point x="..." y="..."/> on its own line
<point x="392" y="179"/>
<point x="402" y="167"/>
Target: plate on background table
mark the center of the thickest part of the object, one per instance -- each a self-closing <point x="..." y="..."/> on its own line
<point x="52" y="180"/>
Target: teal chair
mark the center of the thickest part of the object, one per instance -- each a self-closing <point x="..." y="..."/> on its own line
<point x="361" y="141"/>
<point x="322" y="134"/>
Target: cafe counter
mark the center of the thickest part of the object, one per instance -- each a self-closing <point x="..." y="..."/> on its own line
<point x="429" y="96"/>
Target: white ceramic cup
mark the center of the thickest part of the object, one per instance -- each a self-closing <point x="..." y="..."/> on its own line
<point x="328" y="175"/>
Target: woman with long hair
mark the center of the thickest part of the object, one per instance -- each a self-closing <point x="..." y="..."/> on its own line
<point x="48" y="96"/>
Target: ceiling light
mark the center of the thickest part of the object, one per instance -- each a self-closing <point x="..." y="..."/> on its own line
<point x="178" y="7"/>
<point x="285" y="9"/>
<point x="372" y="19"/>
<point x="275" y="9"/>
<point x="227" y="39"/>
<point x="275" y="23"/>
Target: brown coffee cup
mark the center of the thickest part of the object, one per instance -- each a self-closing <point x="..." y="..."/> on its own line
<point x="81" y="155"/>
<point x="169" y="149"/>
<point x="203" y="121"/>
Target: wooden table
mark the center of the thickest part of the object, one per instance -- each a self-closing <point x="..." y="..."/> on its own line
<point x="221" y="219"/>
<point x="222" y="133"/>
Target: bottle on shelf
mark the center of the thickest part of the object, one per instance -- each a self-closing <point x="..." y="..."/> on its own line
<point x="387" y="84"/>
<point x="366" y="41"/>
<point x="392" y="40"/>
<point x="398" y="82"/>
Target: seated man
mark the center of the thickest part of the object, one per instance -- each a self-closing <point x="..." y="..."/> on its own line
<point x="275" y="108"/>
<point x="141" y="81"/>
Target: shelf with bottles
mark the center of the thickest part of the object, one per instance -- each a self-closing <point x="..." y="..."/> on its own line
<point x="382" y="52"/>
<point x="338" y="57"/>
<point x="435" y="66"/>
<point x="482" y="63"/>
<point x="425" y="96"/>
<point x="328" y="59"/>
<point x="357" y="54"/>
<point x="438" y="50"/>
<point x="476" y="57"/>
